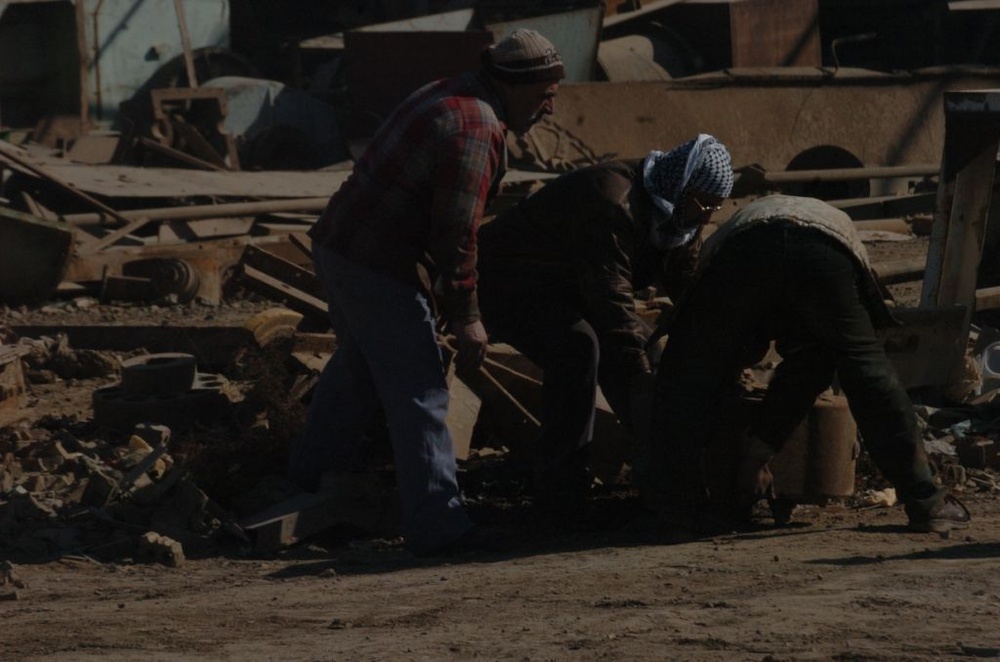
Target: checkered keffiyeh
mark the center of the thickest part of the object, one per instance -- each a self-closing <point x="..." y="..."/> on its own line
<point x="701" y="165"/>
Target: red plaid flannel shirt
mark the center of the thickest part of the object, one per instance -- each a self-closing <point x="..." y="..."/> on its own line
<point x="420" y="189"/>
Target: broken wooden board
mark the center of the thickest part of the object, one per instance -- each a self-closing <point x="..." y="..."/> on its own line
<point x="291" y="521"/>
<point x="463" y="412"/>
<point x="356" y="499"/>
<point x="115" y="181"/>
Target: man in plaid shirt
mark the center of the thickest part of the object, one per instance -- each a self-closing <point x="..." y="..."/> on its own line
<point x="395" y="248"/>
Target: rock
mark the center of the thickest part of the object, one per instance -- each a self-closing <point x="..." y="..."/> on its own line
<point x="154" y="548"/>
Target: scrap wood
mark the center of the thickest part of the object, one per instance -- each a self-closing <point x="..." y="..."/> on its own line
<point x="177" y="154"/>
<point x="286" y="282"/>
<point x="486" y="387"/>
<point x="17" y="160"/>
<point x="91" y="247"/>
<point x="187" y="213"/>
<point x="274" y="288"/>
<point x="185" y="43"/>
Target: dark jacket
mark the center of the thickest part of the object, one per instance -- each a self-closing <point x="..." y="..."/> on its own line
<point x="588" y="233"/>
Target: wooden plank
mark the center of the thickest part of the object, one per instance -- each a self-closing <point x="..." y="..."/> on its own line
<point x="292" y="520"/>
<point x="303" y="242"/>
<point x="288" y="272"/>
<point x="358" y="499"/>
<point x="178" y="155"/>
<point x="92" y="247"/>
<point x="64" y="185"/>
<point x="900" y="271"/>
<point x="284" y="294"/>
<point x="186" y="43"/>
<point x="463" y="412"/>
<point x="988" y="298"/>
<point x="966" y="229"/>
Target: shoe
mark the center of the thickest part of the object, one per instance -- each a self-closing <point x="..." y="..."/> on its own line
<point x="946" y="513"/>
<point x="753" y="483"/>
<point x="474" y="541"/>
<point x="562" y="492"/>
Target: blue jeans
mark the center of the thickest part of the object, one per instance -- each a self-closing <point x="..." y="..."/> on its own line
<point x="387" y="353"/>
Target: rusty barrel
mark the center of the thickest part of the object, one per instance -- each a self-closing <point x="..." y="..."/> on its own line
<point x="816" y="463"/>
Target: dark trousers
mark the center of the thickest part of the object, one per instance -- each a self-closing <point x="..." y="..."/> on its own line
<point x="800" y="287"/>
<point x="540" y="320"/>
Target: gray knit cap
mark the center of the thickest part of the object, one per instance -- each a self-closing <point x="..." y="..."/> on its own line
<point x="523" y="56"/>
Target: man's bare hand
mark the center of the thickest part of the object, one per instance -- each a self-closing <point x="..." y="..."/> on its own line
<point x="471" y="341"/>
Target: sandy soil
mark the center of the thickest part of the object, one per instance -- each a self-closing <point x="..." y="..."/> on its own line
<point x="841" y="582"/>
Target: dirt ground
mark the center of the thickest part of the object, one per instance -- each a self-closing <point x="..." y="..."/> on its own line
<point x="842" y="582"/>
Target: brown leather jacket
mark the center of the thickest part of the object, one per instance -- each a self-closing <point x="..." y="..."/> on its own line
<point x="590" y="229"/>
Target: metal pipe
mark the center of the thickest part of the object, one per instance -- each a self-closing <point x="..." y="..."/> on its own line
<point x="897" y="225"/>
<point x="850" y="174"/>
<point x="900" y="271"/>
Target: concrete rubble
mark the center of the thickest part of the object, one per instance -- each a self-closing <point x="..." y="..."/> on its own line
<point x="66" y="495"/>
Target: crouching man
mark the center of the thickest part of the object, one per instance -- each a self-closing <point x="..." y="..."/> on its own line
<point x="793" y="270"/>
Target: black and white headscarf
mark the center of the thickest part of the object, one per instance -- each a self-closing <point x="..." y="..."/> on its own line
<point x="702" y="165"/>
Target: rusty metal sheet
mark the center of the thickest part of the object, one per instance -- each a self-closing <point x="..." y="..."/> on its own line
<point x="379" y="83"/>
<point x="775" y="33"/>
<point x="769" y="117"/>
<point x="33" y="256"/>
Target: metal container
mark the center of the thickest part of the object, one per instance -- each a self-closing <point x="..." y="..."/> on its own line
<point x="818" y="460"/>
<point x="816" y="463"/>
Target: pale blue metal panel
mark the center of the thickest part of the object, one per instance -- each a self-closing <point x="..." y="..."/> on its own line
<point x="129" y="40"/>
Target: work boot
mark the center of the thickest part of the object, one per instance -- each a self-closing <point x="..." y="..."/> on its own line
<point x="562" y="491"/>
<point x="753" y="483"/>
<point x="937" y="514"/>
<point x="753" y="480"/>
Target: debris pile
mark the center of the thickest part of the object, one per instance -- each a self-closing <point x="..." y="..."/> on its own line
<point x="74" y="485"/>
<point x="64" y="495"/>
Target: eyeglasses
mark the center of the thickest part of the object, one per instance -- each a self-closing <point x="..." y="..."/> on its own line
<point x="705" y="209"/>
